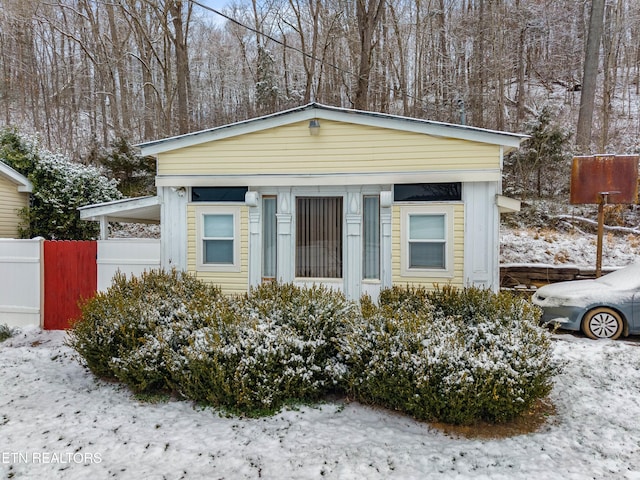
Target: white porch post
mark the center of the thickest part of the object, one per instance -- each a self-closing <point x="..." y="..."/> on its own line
<point x="353" y="255"/>
<point x="255" y="247"/>
<point x="104" y="228"/>
<point x="386" y="201"/>
<point x="286" y="247"/>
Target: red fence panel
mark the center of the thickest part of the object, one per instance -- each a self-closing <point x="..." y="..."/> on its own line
<point x="70" y="275"/>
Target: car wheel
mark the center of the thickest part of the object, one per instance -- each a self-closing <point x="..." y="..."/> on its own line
<point x="602" y="323"/>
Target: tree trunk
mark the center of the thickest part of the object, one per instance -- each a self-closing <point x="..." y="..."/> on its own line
<point x="368" y="13"/>
<point x="589" y="77"/>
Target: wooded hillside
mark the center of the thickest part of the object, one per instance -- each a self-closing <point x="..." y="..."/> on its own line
<point x="83" y="72"/>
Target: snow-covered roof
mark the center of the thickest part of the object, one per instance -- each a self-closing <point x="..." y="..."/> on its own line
<point x="324" y="112"/>
<point x="129" y="210"/>
<point x="24" y="185"/>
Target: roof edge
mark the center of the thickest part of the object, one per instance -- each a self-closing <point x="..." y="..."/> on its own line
<point x="320" y="111"/>
<point x="23" y="183"/>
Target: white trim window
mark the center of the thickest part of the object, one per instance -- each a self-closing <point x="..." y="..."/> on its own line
<point x="218" y="238"/>
<point x="427" y="240"/>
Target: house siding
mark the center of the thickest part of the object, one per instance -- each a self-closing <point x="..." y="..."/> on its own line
<point x="340" y="148"/>
<point x="428" y="282"/>
<point x="10" y="202"/>
<point x="229" y="282"/>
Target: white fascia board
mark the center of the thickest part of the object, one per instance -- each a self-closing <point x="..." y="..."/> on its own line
<point x="425" y="127"/>
<point x="507" y="205"/>
<point x="266" y="180"/>
<point x="309" y="112"/>
<point x="224" y="131"/>
<point x="24" y="185"/>
<point x="140" y="209"/>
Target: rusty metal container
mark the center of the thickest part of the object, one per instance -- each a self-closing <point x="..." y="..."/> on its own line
<point x="614" y="175"/>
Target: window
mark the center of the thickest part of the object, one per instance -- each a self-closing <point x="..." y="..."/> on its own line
<point x="217" y="230"/>
<point x="427" y="240"/>
<point x="319" y="237"/>
<point x="371" y="238"/>
<point x="218" y="239"/>
<point x="269" y="238"/>
<point x="218" y="194"/>
<point x="427" y="192"/>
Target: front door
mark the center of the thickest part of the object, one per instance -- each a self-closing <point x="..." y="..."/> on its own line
<point x="336" y="237"/>
<point x="319" y="236"/>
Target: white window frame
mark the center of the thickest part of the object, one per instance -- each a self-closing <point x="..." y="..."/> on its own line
<point x="436" y="210"/>
<point x="201" y="212"/>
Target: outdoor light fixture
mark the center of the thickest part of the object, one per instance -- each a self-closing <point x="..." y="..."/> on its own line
<point x="314" y="127"/>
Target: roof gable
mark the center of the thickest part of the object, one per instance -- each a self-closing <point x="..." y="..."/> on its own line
<point x="23" y="184"/>
<point x="322" y="112"/>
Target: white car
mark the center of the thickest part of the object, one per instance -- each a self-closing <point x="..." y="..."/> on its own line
<point x="607" y="307"/>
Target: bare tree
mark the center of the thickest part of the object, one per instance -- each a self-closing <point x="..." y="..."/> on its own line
<point x="589" y="77"/>
<point x="368" y="14"/>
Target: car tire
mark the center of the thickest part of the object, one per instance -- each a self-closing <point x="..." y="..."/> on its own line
<point x="602" y="323"/>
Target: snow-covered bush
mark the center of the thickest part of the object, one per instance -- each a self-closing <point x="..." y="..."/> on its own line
<point x="60" y="186"/>
<point x="132" y="331"/>
<point x="451" y="355"/>
<point x="5" y="332"/>
<point x="283" y="348"/>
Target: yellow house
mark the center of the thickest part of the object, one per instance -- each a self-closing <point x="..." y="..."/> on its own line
<point x="317" y="194"/>
<point x="14" y="196"/>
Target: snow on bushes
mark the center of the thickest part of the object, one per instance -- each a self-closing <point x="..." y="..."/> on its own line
<point x="451" y="355"/>
<point x="131" y="331"/>
<point x="283" y="347"/>
<point x="60" y="186"/>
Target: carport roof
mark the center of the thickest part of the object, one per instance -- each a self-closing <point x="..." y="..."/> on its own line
<point x="129" y="210"/>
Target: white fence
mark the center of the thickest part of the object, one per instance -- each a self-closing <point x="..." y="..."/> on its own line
<point x="21" y="273"/>
<point x="20" y="282"/>
<point x="130" y="256"/>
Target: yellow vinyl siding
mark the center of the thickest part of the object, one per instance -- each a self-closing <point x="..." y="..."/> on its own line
<point x="339" y="148"/>
<point x="398" y="249"/>
<point x="11" y="201"/>
<point x="230" y="282"/>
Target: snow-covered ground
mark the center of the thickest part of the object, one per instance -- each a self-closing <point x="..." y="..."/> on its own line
<point x="560" y="248"/>
<point x="58" y="421"/>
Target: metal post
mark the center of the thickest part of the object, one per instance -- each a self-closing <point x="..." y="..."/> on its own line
<point x="603" y="199"/>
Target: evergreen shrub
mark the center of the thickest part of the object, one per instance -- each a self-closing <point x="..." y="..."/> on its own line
<point x="283" y="348"/>
<point x="5" y="332"/>
<point x="132" y="331"/>
<point x="454" y="355"/>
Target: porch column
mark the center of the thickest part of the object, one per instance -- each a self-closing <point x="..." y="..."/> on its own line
<point x="385" y="248"/>
<point x="255" y="247"/>
<point x="353" y="255"/>
<point x="286" y="246"/>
